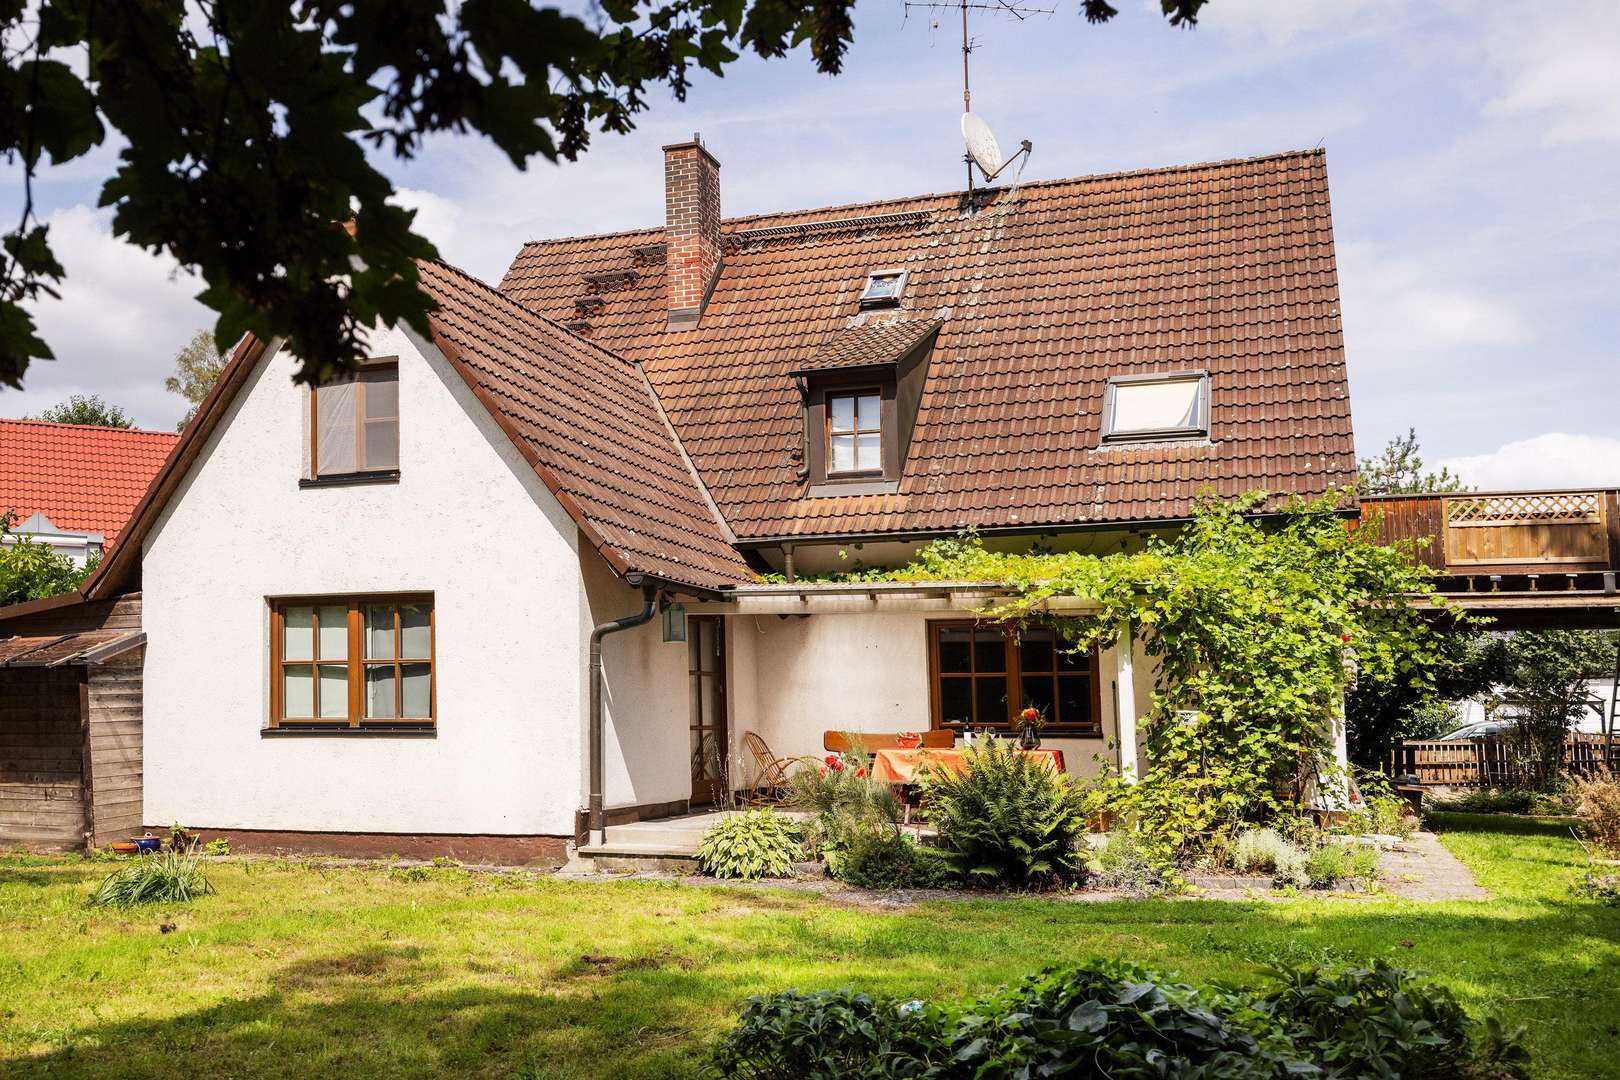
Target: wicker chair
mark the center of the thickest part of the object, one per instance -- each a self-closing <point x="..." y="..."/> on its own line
<point x="769" y="784"/>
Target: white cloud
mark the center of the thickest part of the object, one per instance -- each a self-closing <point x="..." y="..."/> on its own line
<point x="122" y="316"/>
<point x="437" y="217"/>
<point x="1554" y="460"/>
<point x="1282" y="21"/>
<point x="1562" y="66"/>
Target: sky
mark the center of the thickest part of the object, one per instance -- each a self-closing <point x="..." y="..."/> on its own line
<point x="1473" y="158"/>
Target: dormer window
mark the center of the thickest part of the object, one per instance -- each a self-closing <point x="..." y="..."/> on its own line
<point x="1156" y="407"/>
<point x="855" y="432"/>
<point x="883" y="288"/>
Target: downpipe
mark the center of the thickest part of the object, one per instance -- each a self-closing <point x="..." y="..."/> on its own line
<point x="595" y="811"/>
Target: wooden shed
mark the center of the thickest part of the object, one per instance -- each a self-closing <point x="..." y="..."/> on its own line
<point x="70" y="724"/>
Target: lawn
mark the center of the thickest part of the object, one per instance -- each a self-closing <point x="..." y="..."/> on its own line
<point x="297" y="971"/>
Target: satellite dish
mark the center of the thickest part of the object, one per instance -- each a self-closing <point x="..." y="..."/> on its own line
<point x="981" y="144"/>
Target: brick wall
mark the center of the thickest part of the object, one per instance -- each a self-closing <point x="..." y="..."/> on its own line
<point x="692" y="227"/>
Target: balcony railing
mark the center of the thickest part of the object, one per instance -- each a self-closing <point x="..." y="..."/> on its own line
<point x="1505" y="532"/>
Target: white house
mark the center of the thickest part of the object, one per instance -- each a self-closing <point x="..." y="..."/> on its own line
<point x="371" y="608"/>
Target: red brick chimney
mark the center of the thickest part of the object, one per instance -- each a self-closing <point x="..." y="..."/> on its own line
<point x="691" y="229"/>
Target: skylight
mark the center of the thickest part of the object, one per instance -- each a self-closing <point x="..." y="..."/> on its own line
<point x="1157" y="406"/>
<point x="883" y="287"/>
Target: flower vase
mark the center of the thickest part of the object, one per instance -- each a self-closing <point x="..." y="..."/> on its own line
<point x="1029" y="739"/>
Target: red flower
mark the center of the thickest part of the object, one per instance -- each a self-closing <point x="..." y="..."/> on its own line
<point x="835" y="763"/>
<point x="1344" y="637"/>
<point x="860" y="773"/>
<point x="1030" y="713"/>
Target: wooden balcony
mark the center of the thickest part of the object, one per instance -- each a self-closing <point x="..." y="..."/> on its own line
<point x="1479" y="537"/>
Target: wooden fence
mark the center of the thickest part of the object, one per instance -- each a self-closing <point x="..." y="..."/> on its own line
<point x="1489" y="762"/>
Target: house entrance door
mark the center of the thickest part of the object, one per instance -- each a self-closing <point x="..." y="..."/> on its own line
<point x="706" y="666"/>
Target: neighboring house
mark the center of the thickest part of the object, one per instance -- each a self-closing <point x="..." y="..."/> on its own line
<point x="371" y="609"/>
<point x="72" y="486"/>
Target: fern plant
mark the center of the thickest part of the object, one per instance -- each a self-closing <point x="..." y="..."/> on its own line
<point x="753" y="844"/>
<point x="1008" y="820"/>
<point x="170" y="878"/>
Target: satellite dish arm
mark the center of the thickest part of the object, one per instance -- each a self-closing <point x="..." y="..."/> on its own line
<point x="1024" y="149"/>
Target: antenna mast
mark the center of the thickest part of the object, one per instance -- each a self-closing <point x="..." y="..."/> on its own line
<point x="967" y="94"/>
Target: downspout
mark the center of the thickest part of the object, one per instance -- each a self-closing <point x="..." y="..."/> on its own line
<point x="649" y="593"/>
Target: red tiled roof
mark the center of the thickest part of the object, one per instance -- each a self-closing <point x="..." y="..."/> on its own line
<point x="84" y="479"/>
<point x="589" y="423"/>
<point x="1226" y="267"/>
<point x="873" y="342"/>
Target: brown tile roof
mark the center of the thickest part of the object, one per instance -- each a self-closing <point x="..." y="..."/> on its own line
<point x="871" y="342"/>
<point x="1225" y="267"/>
<point x="83" y="478"/>
<point x="588" y="422"/>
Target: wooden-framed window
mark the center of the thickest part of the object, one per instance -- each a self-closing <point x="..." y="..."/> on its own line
<point x="982" y="674"/>
<point x="855" y="432"/>
<point x="354" y="423"/>
<point x="352" y="662"/>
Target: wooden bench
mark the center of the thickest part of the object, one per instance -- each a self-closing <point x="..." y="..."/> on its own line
<point x="840" y="742"/>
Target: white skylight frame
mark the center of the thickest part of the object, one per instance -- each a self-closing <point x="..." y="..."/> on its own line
<point x="1195" y="426"/>
<point x="901" y="277"/>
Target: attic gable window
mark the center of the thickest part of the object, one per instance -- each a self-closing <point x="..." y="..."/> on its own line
<point x="883" y="288"/>
<point x="1147" y="407"/>
<point x="354" y="425"/>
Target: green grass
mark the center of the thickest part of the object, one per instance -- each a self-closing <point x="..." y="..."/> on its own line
<point x="294" y="971"/>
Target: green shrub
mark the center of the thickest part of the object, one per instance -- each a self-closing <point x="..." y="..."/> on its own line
<point x="846" y="803"/>
<point x="219" y="845"/>
<point x="1363" y="864"/>
<point x="1327" y="865"/>
<point x="752" y="844"/>
<point x="1132" y="862"/>
<point x="1118" y="1021"/>
<point x="1492" y="801"/>
<point x="1604" y="888"/>
<point x="1008" y="820"/>
<point x="829" y="1035"/>
<point x="1258" y="849"/>
<point x="1292" y="870"/>
<point x="172" y="877"/>
<point x="888" y="859"/>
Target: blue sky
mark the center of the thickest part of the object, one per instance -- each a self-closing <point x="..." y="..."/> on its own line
<point x="1473" y="155"/>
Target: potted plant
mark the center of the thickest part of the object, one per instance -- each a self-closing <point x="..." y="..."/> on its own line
<point x="1030" y="722"/>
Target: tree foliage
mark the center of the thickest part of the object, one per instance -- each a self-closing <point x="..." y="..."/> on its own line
<point x="196" y="368"/>
<point x="1254" y="624"/>
<point x="1543" y="675"/>
<point x="247" y="123"/>
<point x="1399" y="470"/>
<point x="87" y="409"/>
<point x="31" y="570"/>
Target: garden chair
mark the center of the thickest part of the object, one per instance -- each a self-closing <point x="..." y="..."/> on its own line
<point x="770" y="781"/>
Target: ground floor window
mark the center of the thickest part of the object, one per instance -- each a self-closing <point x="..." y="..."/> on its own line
<point x="360" y="662"/>
<point x="984" y="673"/>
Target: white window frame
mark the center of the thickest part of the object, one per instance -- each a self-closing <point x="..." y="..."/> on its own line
<point x="1109" y="435"/>
<point x="867" y="300"/>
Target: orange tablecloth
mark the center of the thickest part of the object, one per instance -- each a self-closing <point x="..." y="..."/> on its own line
<point x="902" y="766"/>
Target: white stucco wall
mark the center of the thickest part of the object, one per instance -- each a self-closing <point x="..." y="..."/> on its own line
<point x="795" y="678"/>
<point x="645" y="698"/>
<point x="468" y="521"/>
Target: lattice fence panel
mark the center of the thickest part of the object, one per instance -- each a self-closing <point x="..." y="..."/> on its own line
<point x="1572" y="507"/>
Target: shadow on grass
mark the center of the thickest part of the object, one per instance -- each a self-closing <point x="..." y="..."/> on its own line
<point x="651" y="1008"/>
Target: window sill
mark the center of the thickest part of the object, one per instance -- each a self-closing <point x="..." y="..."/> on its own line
<point x="854" y="485"/>
<point x="348" y="733"/>
<point x="388" y="476"/>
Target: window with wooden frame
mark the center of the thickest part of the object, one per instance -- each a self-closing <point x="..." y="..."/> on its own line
<point x="358" y="662"/>
<point x="983" y="674"/>
<point x="855" y="432"/>
<point x="354" y="424"/>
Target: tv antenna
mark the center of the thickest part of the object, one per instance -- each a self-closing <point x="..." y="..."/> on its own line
<point x="982" y="149"/>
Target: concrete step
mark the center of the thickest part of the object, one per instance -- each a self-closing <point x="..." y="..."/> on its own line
<point x="612" y="858"/>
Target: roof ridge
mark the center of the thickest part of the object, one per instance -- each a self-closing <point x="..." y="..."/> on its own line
<point x="1123" y="174"/>
<point x="55" y="425"/>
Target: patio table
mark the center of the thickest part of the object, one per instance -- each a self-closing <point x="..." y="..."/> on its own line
<point x="902" y="766"/>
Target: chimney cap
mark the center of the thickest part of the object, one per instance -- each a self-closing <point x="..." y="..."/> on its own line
<point x="694" y="143"/>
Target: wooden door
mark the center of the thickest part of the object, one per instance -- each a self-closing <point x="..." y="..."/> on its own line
<point x="706" y="668"/>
